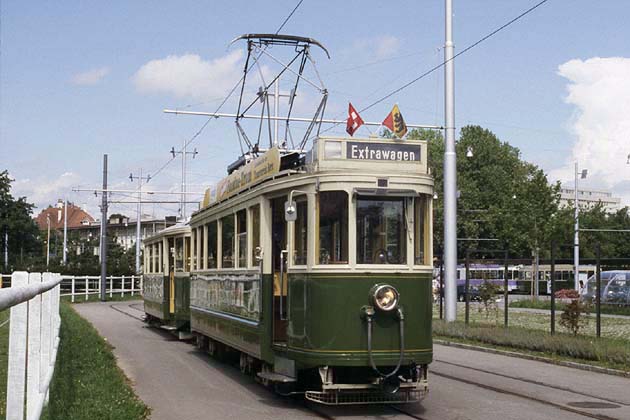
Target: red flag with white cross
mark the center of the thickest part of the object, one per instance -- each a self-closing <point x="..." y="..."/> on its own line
<point x="354" y="120"/>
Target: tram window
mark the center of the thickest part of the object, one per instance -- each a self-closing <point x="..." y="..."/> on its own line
<point x="148" y="265"/>
<point x="381" y="235"/>
<point x="301" y="233"/>
<point x="161" y="257"/>
<point x="193" y="245"/>
<point x="155" y="268"/>
<point x="241" y="234"/>
<point x="227" y="242"/>
<point x="255" y="214"/>
<point x="212" y="245"/>
<point x="202" y="244"/>
<point x="187" y="254"/>
<point x="179" y="254"/>
<point x="333" y="227"/>
<point x="421" y="253"/>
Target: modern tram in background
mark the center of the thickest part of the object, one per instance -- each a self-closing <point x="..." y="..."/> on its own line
<point x="315" y="269"/>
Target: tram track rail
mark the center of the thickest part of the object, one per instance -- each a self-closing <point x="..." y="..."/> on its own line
<point x="525" y="396"/>
<point x="117" y="309"/>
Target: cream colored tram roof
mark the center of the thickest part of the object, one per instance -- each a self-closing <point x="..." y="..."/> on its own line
<point x="180" y="229"/>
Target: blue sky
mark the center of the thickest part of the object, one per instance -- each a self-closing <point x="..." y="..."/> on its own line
<point x="76" y="82"/>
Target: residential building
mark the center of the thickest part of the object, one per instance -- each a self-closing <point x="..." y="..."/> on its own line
<point x="76" y="216"/>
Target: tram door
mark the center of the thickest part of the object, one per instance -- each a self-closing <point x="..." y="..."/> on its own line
<point x="170" y="295"/>
<point x="279" y="258"/>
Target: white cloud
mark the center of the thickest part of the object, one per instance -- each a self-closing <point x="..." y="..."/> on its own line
<point x="599" y="88"/>
<point x="44" y="192"/>
<point x="379" y="47"/>
<point x="90" y="77"/>
<point x="189" y="76"/>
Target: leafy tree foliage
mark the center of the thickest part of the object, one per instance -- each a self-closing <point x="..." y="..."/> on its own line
<point x="17" y="225"/>
<point x="501" y="197"/>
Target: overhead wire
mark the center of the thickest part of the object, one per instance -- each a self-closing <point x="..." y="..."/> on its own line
<point x="205" y="124"/>
<point x="443" y="63"/>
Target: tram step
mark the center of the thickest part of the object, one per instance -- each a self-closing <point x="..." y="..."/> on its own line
<point x="168" y="327"/>
<point x="276" y="377"/>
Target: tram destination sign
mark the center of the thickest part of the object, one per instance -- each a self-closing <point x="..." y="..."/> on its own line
<point x="383" y="151"/>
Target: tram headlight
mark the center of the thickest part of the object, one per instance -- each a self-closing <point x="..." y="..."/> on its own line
<point x="384" y="297"/>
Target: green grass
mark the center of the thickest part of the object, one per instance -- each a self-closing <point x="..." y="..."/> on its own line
<point x="87" y="383"/>
<point x="545" y="304"/>
<point x="605" y="352"/>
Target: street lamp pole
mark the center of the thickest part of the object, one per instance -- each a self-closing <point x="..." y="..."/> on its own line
<point x="450" y="174"/>
<point x="576" y="240"/>
<point x="48" y="241"/>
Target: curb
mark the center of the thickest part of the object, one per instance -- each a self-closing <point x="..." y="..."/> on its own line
<point x="574" y="365"/>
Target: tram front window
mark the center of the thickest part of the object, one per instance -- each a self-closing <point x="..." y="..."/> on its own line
<point x="241" y="225"/>
<point x="301" y="233"/>
<point x="179" y="254"/>
<point x="333" y="227"/>
<point x="381" y="231"/>
<point x="227" y="242"/>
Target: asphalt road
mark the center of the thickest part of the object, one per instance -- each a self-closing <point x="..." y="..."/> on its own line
<point x="179" y="382"/>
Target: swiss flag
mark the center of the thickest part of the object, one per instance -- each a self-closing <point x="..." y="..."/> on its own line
<point x="354" y="120"/>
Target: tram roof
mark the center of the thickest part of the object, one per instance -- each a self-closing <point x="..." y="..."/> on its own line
<point x="181" y="228"/>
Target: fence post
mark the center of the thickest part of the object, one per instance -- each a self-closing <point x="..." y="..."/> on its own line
<point x="46" y="329"/>
<point x="72" y="287"/>
<point x="598" y="299"/>
<point x="133" y="283"/>
<point x="87" y="286"/>
<point x="506" y="305"/>
<point x="17" y="353"/>
<point x="553" y="290"/>
<point x="122" y="286"/>
<point x="142" y="284"/>
<point x="441" y="288"/>
<point x="33" y="374"/>
<point x="466" y="286"/>
<point x="111" y="286"/>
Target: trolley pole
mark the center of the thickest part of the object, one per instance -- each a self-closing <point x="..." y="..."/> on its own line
<point x="450" y="173"/>
<point x="104" y="231"/>
<point x="139" y="215"/>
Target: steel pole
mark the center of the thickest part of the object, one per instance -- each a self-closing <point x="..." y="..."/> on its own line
<point x="65" y="230"/>
<point x="576" y="241"/>
<point x="6" y="249"/>
<point x="104" y="231"/>
<point x="138" y="223"/>
<point x="450" y="173"/>
<point x="48" y="242"/>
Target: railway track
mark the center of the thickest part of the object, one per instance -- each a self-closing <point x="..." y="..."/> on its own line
<point x="136" y="311"/>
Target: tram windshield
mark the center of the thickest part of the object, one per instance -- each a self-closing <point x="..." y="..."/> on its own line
<point x="381" y="231"/>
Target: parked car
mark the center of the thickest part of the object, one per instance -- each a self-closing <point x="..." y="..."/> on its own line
<point x="615" y="288"/>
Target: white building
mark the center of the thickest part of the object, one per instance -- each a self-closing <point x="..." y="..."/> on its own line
<point x="589" y="198"/>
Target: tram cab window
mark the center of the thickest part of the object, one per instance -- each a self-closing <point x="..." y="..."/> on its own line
<point x="301" y="233"/>
<point x="212" y="245"/>
<point x="255" y="215"/>
<point x="333" y="227"/>
<point x="420" y="243"/>
<point x="179" y="254"/>
<point x="227" y="242"/>
<point x="241" y="234"/>
<point x="381" y="237"/>
<point x="155" y="268"/>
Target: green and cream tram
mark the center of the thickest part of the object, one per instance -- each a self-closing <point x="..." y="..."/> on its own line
<point x="317" y="268"/>
<point x="166" y="278"/>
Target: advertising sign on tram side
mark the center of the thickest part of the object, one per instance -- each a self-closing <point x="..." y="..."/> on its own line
<point x="258" y="169"/>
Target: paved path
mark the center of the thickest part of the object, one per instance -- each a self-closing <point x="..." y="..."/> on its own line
<point x="179" y="382"/>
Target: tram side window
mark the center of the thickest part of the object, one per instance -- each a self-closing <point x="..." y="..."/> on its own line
<point x="255" y="215"/>
<point x="420" y="243"/>
<point x="156" y="267"/>
<point x="179" y="254"/>
<point x="301" y="233"/>
<point x="381" y="235"/>
<point x="241" y="234"/>
<point x="227" y="242"/>
<point x="148" y="260"/>
<point x="202" y="244"/>
<point x="212" y="245"/>
<point x="333" y="227"/>
<point x="193" y="245"/>
<point x="187" y="254"/>
<point x="161" y="257"/>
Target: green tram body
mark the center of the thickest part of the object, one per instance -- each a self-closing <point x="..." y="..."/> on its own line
<point x="166" y="278"/>
<point x="308" y="333"/>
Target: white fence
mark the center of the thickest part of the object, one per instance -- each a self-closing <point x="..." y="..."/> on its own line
<point x="33" y="341"/>
<point x="81" y="287"/>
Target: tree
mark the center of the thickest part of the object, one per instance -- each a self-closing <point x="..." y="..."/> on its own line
<point x="501" y="197"/>
<point x="24" y="239"/>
